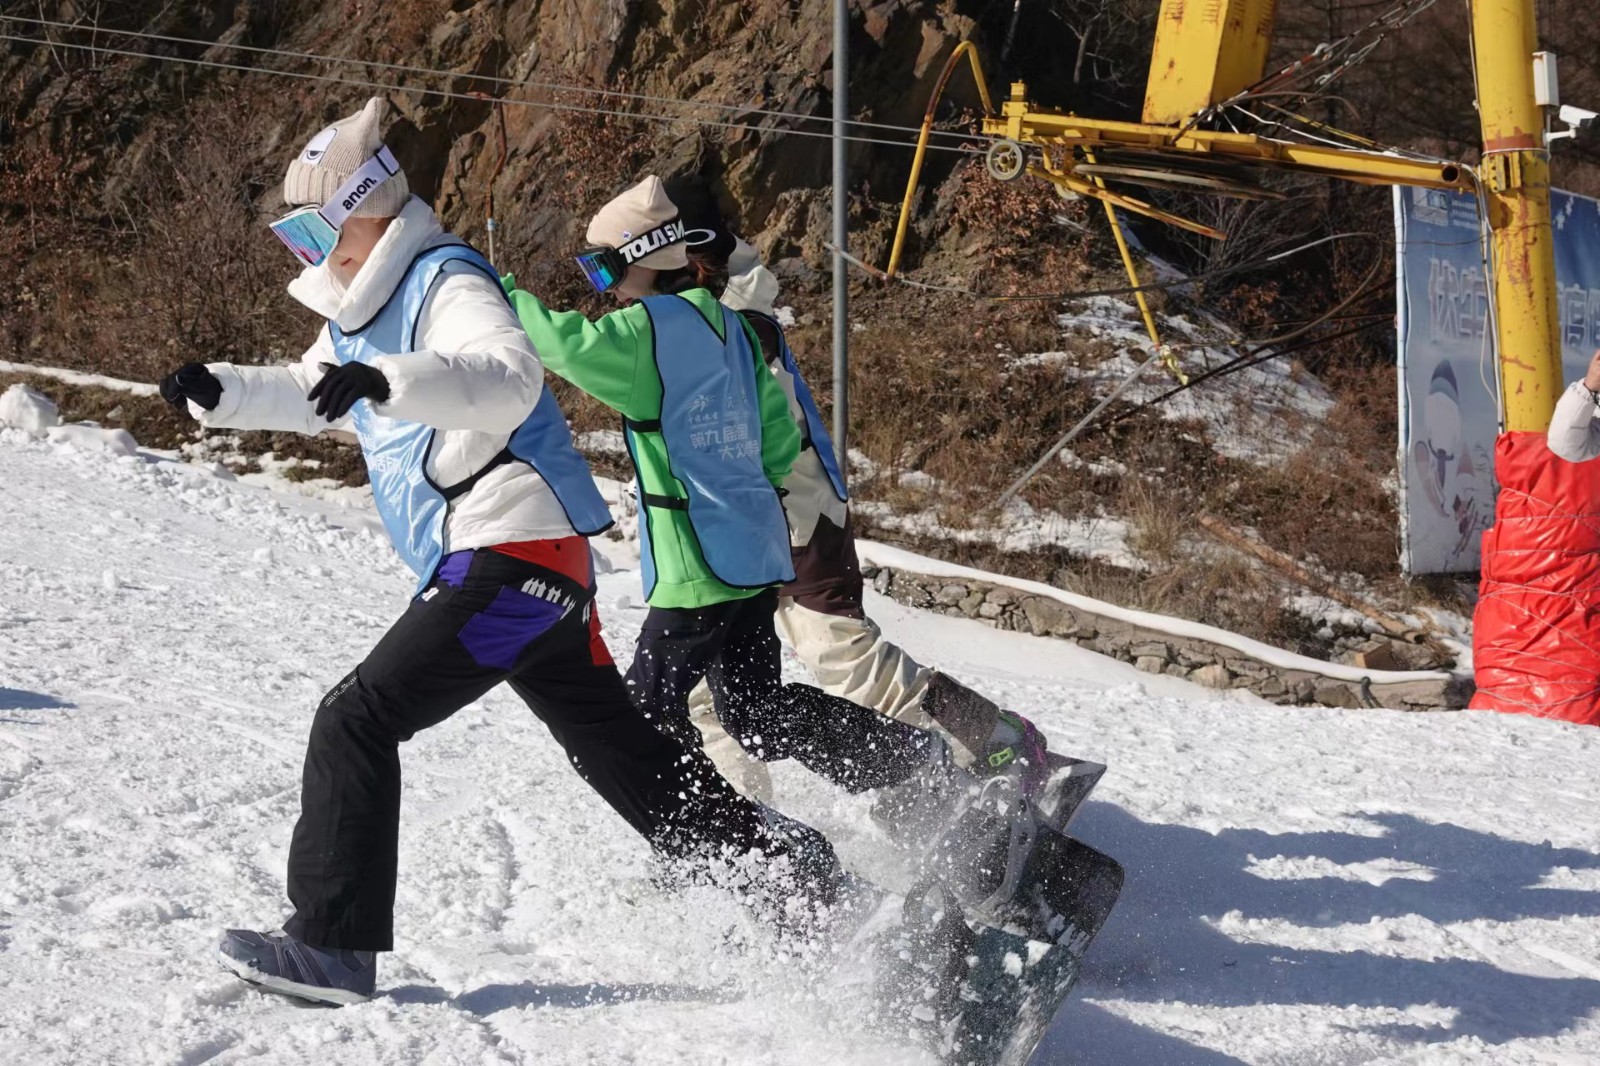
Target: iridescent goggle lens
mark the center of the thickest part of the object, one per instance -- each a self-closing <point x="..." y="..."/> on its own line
<point x="604" y="267"/>
<point x="307" y="234"/>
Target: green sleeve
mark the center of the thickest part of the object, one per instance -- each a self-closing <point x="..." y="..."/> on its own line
<point x="604" y="358"/>
<point x="780" y="437"/>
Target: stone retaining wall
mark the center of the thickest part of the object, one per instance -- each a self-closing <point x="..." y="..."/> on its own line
<point x="1152" y="651"/>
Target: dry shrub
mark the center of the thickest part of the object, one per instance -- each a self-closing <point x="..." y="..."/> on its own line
<point x="212" y="276"/>
<point x="36" y="189"/>
<point x="1216" y="588"/>
<point x="1157" y="527"/>
<point x="170" y="262"/>
<point x="1328" y="500"/>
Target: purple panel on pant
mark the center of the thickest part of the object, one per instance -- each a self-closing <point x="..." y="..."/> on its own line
<point x="453" y="571"/>
<point x="497" y="635"/>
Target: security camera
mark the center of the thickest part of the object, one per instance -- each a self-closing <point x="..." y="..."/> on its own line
<point x="1576" y="120"/>
<point x="1576" y="117"/>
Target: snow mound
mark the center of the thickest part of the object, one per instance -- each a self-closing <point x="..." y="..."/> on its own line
<point x="91" y="438"/>
<point x="32" y="412"/>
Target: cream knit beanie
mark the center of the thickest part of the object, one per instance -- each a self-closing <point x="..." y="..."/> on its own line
<point x="632" y="215"/>
<point x="329" y="158"/>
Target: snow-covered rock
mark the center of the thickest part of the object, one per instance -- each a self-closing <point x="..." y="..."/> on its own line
<point x="30" y="411"/>
<point x="94" y="439"/>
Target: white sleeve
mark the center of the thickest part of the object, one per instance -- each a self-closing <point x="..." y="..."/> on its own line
<point x="270" y="397"/>
<point x="1573" y="434"/>
<point x="474" y="367"/>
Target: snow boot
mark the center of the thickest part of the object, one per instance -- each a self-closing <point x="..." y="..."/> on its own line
<point x="1016" y="747"/>
<point x="1011" y="760"/>
<point x="980" y="729"/>
<point x="277" y="962"/>
<point x="802" y="900"/>
<point x="783" y="870"/>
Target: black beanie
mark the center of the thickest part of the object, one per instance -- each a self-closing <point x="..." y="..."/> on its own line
<point x="706" y="233"/>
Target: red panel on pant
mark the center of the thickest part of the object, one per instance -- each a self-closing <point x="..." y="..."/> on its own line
<point x="568" y="556"/>
<point x="597" y="641"/>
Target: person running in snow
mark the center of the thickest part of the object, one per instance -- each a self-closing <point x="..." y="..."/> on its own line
<point x="711" y="439"/>
<point x="483" y="495"/>
<point x="820" y="613"/>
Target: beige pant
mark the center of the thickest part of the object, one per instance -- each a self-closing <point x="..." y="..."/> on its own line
<point x="847" y="657"/>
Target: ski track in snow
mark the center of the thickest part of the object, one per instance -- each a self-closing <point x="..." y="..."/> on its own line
<point x="1305" y="887"/>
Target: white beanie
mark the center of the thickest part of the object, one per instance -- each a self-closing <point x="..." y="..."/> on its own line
<point x="332" y="156"/>
<point x="635" y="213"/>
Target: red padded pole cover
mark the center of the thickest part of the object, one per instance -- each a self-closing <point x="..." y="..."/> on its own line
<point x="1536" y="632"/>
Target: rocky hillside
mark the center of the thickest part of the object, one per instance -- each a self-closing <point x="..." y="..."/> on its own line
<point x="132" y="188"/>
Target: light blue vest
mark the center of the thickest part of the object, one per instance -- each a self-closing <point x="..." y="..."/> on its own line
<point x="816" y="431"/>
<point x="412" y="507"/>
<point x="711" y="423"/>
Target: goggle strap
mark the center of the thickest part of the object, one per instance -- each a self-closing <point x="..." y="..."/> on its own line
<point x="669" y="233"/>
<point x="363" y="183"/>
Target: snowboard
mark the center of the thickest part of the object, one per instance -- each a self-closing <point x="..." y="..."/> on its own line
<point x="988" y="948"/>
<point x="1068" y="784"/>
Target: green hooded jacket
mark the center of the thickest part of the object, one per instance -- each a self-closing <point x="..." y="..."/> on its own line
<point x="613" y="359"/>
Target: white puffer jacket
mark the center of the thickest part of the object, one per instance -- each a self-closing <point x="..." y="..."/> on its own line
<point x="474" y="377"/>
<point x="752" y="287"/>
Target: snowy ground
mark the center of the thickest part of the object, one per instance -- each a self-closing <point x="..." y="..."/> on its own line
<point x="1304" y="887"/>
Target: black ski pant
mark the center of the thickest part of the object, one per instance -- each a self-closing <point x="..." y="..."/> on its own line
<point x="734" y="647"/>
<point x="488" y="618"/>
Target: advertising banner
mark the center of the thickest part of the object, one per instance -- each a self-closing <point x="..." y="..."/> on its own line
<point x="1449" y="407"/>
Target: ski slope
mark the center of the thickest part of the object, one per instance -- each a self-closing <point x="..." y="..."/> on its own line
<point x="1304" y="886"/>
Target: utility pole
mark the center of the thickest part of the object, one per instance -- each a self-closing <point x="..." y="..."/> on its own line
<point x="841" y="234"/>
<point x="1530" y="652"/>
<point x="1516" y="194"/>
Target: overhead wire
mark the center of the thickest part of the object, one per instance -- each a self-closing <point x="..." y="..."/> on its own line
<point x="491" y="79"/>
<point x="1328" y="60"/>
<point x="1235" y="366"/>
<point x="548" y="105"/>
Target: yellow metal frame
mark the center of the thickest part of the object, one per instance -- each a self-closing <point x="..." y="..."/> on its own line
<point x="1096" y="189"/>
<point x="1020" y="122"/>
<point x="1128" y="265"/>
<point x="1066" y="179"/>
<point x="1204" y="53"/>
<point x="965" y="48"/>
<point x="1068" y="134"/>
<point x="1516" y="198"/>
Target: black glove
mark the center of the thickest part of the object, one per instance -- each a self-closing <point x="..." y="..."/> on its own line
<point x="192" y="381"/>
<point x="342" y="386"/>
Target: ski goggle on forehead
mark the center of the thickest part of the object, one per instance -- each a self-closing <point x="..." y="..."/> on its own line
<point x="312" y="233"/>
<point x="605" y="266"/>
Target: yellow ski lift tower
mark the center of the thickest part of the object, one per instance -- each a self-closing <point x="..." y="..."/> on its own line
<point x="1516" y="195"/>
<point x="1209" y="57"/>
